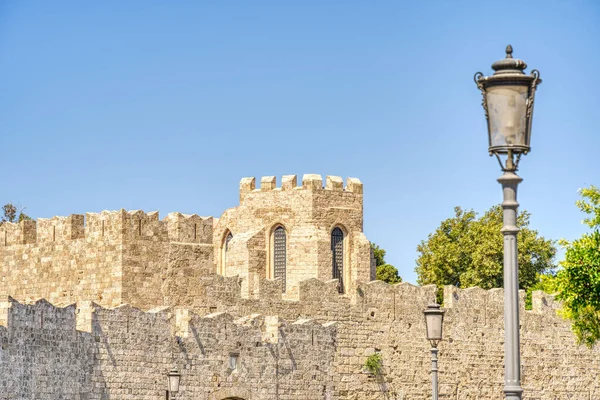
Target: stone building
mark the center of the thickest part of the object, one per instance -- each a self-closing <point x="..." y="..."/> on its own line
<point x="291" y="233"/>
<point x="294" y="233"/>
<point x="273" y="300"/>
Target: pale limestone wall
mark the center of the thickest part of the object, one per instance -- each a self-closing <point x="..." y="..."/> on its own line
<point x="389" y="319"/>
<point x="308" y="213"/>
<point x="124" y="353"/>
<point x="89" y="352"/>
<point x="188" y="264"/>
<point x="128" y="256"/>
<point x="62" y="261"/>
<point x="110" y="257"/>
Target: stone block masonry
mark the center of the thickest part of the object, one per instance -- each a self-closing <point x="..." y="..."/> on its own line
<point x="117" y="257"/>
<point x="125" y="353"/>
<point x="111" y="258"/>
<point x="102" y="306"/>
<point x="308" y="214"/>
<point x="87" y="351"/>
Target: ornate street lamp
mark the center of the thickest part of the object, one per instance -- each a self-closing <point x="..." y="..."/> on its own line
<point x="434" y="318"/>
<point x="508" y="103"/>
<point x="173" y="379"/>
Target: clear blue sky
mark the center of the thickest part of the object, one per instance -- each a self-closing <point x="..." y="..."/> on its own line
<point x="159" y="105"/>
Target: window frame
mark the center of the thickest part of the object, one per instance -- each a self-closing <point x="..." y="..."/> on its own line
<point x="342" y="246"/>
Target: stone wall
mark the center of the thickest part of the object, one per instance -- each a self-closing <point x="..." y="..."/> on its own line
<point x="124" y="353"/>
<point x="110" y="257"/>
<point x="182" y="312"/>
<point x="308" y="214"/>
<point x="61" y="260"/>
<point x="133" y="257"/>
<point x="389" y="319"/>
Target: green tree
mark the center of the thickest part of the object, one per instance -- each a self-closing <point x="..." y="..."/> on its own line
<point x="13" y="213"/>
<point x="579" y="278"/>
<point x="467" y="251"/>
<point x="384" y="271"/>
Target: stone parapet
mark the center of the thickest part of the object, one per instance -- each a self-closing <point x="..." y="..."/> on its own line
<point x="108" y="225"/>
<point x="309" y="182"/>
<point x="85" y="349"/>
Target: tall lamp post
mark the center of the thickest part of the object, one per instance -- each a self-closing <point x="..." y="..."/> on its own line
<point x="434" y="318"/>
<point x="508" y="103"/>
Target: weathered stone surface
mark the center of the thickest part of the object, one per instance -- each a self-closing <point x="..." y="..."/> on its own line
<point x="151" y="294"/>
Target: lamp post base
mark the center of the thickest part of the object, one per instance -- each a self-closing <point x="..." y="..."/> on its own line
<point x="513" y="393"/>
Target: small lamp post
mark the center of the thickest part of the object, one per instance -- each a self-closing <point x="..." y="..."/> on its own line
<point x="173" y="379"/>
<point x="508" y="103"/>
<point x="434" y="318"/>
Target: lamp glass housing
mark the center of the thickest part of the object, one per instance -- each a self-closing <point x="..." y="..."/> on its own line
<point x="507" y="108"/>
<point x="434" y="318"/>
<point x="174" y="378"/>
<point x="508" y="97"/>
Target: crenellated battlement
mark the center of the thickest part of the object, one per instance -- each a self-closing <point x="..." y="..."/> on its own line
<point x="377" y="301"/>
<point x="189" y="228"/>
<point x="23" y="232"/>
<point x="318" y="342"/>
<point x="310" y="182"/>
<point x="58" y="229"/>
<point x="105" y="225"/>
<point x="109" y="257"/>
<point x="122" y="223"/>
<point x="86" y="351"/>
<point x="41" y="315"/>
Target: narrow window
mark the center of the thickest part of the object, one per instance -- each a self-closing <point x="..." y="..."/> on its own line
<point x="279" y="255"/>
<point x="140" y="227"/>
<point x="225" y="250"/>
<point x="337" y="257"/>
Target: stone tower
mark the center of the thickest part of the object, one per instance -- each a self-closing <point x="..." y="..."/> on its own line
<point x="295" y="233"/>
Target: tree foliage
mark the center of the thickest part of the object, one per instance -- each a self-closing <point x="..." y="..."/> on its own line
<point x="13" y="213"/>
<point x="579" y="278"/>
<point x="467" y="251"/>
<point x="384" y="271"/>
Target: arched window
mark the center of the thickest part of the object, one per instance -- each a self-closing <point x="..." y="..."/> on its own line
<point x="279" y="255"/>
<point x="224" y="251"/>
<point x="337" y="257"/>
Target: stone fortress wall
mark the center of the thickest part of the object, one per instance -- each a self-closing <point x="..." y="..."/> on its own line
<point x="110" y="257"/>
<point x="133" y="257"/>
<point x="308" y="214"/>
<point x="312" y="348"/>
<point x="128" y="296"/>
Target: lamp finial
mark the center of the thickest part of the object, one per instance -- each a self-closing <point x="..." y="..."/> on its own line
<point x="509" y="65"/>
